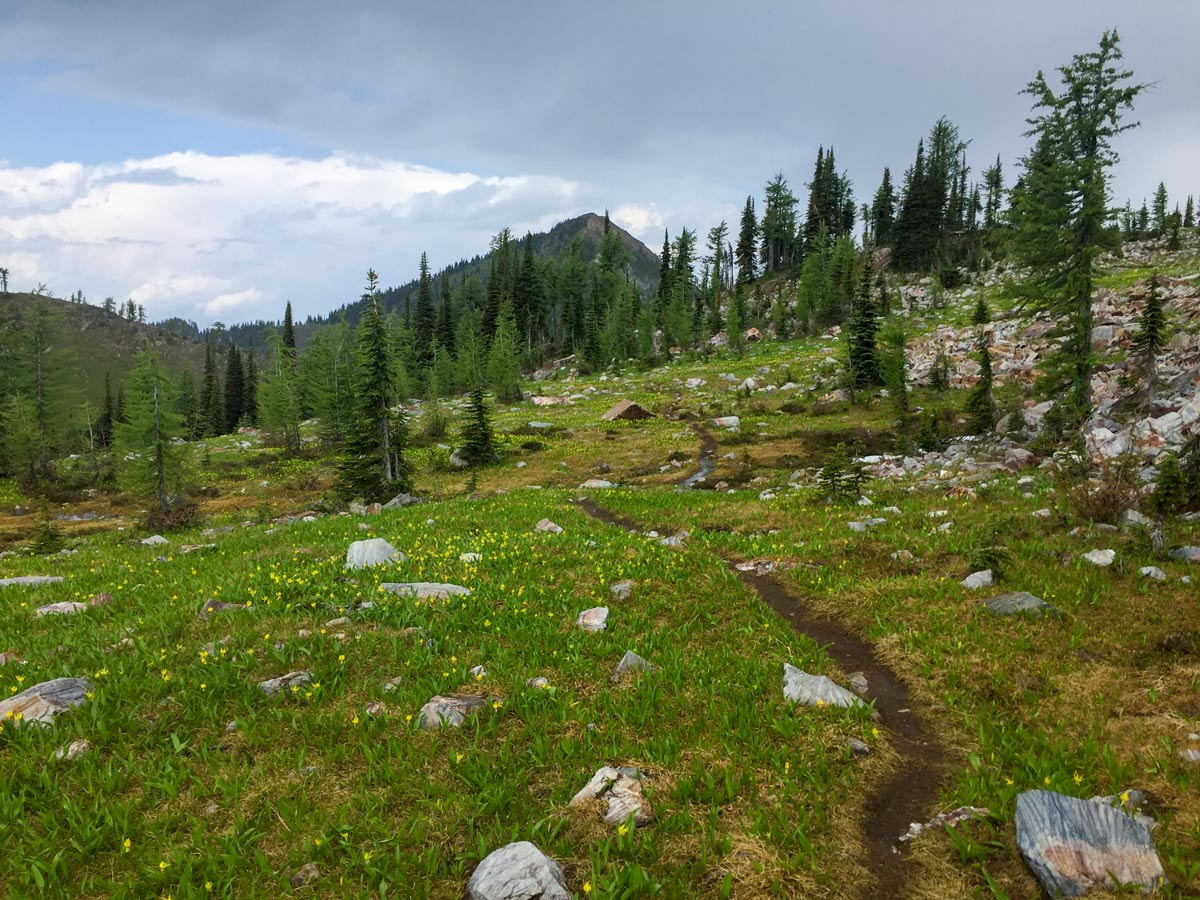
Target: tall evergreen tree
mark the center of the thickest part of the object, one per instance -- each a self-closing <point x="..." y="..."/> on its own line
<point x="747" y="245"/>
<point x="153" y="462"/>
<point x="445" y="317"/>
<point x="504" y="361"/>
<point x="212" y="414"/>
<point x="862" y="355"/>
<point x="478" y="444"/>
<point x="250" y="389"/>
<point x="424" y="321"/>
<point x="883" y="211"/>
<point x="1189" y="214"/>
<point x="778" y="226"/>
<point x="289" y="332"/>
<point x="1062" y="211"/>
<point x="1148" y="343"/>
<point x="526" y="299"/>
<point x="235" y="389"/>
<point x="279" y="396"/>
<point x="1158" y="218"/>
<point x="106" y="420"/>
<point x="663" y="295"/>
<point x="981" y="403"/>
<point x="993" y="182"/>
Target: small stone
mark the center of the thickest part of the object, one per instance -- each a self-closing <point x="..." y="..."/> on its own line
<point x="815" y="690"/>
<point x="1017" y="602"/>
<point x="548" y="527"/>
<point x="1042" y="513"/>
<point x="155" y="540"/>
<point x="231" y="727"/>
<point x="306" y="874"/>
<point x="1152" y="572"/>
<point x="1190" y="754"/>
<point x="470" y="557"/>
<point x="1100" y="557"/>
<point x="858" y="682"/>
<point x="977" y="580"/>
<point x="63" y="608"/>
<point x="540" y="683"/>
<point x="393" y="684"/>
<point x="375" y="708"/>
<point x="339" y="622"/>
<point x="210" y="809"/>
<point x="518" y="871"/>
<point x="621" y="792"/>
<point x="73" y="750"/>
<point x="478" y="672"/>
<point x="902" y="555"/>
<point x="631" y="662"/>
<point x="273" y="686"/>
<point x="424" y="590"/>
<point x="621" y="590"/>
<point x="450" y="710"/>
<point x="593" y="620"/>
<point x="372" y="552"/>
<point x="596" y="484"/>
<point x="857" y="747"/>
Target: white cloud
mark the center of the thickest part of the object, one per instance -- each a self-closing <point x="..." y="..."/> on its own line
<point x="641" y="221"/>
<point x="196" y="235"/>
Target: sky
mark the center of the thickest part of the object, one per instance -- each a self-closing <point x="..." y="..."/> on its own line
<point x="215" y="160"/>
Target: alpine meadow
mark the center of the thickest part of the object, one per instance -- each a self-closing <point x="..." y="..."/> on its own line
<point x="846" y="546"/>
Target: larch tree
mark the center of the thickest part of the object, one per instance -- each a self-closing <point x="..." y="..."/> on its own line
<point x="153" y="461"/>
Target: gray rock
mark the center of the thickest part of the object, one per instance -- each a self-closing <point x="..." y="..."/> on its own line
<point x="400" y="501"/>
<point x="858" y="683"/>
<point x="42" y="702"/>
<point x="594" y="619"/>
<point x="857" y="747"/>
<point x="373" y="552"/>
<point x="273" y="686"/>
<point x="977" y="580"/>
<point x="422" y="590"/>
<point x="1152" y="572"/>
<point x="63" y="608"/>
<point x="306" y="874"/>
<point x="155" y="540"/>
<point x="211" y="607"/>
<point x="815" y="690"/>
<point x="674" y="542"/>
<point x="1186" y="554"/>
<point x="1073" y="845"/>
<point x="1131" y="518"/>
<point x="30" y="580"/>
<point x="622" y="590"/>
<point x="540" y="682"/>
<point x="548" y="527"/>
<point x="1100" y="557"/>
<point x="518" y="871"/>
<point x="73" y="751"/>
<point x="1017" y="602"/>
<point x="1190" y="755"/>
<point x="450" y="710"/>
<point x="621" y="792"/>
<point x="596" y="483"/>
<point x="631" y="662"/>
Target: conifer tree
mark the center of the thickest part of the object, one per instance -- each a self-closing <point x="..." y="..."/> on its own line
<point x="235" y="389"/>
<point x="478" y="443"/>
<point x="104" y="424"/>
<point x="289" y="332"/>
<point x="212" y="415"/>
<point x="1189" y="214"/>
<point x="734" y="317"/>
<point x="424" y="320"/>
<point x="939" y="376"/>
<point x="1062" y="211"/>
<point x="527" y="302"/>
<point x="250" y="390"/>
<point x="862" y="356"/>
<point x="883" y="211"/>
<point x="663" y="296"/>
<point x="778" y="227"/>
<point x="152" y="461"/>
<point x="1159" y="216"/>
<point x="20" y="443"/>
<point x="504" y="361"/>
<point x="279" y="396"/>
<point x="471" y="354"/>
<point x="747" y="245"/>
<point x="186" y="403"/>
<point x="1148" y="343"/>
<point x="445" y="317"/>
<point x="981" y="403"/>
<point x="993" y="181"/>
<point x="893" y="362"/>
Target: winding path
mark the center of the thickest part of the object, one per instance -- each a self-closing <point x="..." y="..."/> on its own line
<point x="909" y="792"/>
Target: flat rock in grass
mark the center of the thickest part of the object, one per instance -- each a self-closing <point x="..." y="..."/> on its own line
<point x="400" y="501"/>
<point x="518" y="871"/>
<point x="597" y="484"/>
<point x="424" y="590"/>
<point x="1186" y="554"/>
<point x="273" y="686"/>
<point x="540" y="682"/>
<point x="621" y="590"/>
<point x="1073" y="845"/>
<point x="373" y="552"/>
<point x="815" y="690"/>
<point x="42" y="702"/>
<point x="1015" y="602"/>
<point x="450" y="710"/>
<point x="306" y="874"/>
<point x="621" y="793"/>
<point x="63" y="608"/>
<point x="631" y="662"/>
<point x="72" y="751"/>
<point x="594" y="619"/>
<point x="548" y="527"/>
<point x="733" y="423"/>
<point x="977" y="580"/>
<point x="1154" y="573"/>
<point x="627" y="410"/>
<point x="29" y="580"/>
<point x="155" y="540"/>
<point x="1100" y="557"/>
<point x="211" y="607"/>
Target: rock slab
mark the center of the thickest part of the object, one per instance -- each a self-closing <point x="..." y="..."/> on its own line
<point x="595" y="619"/>
<point x="978" y="580"/>
<point x="1185" y="554"/>
<point x="545" y="525"/>
<point x="63" y="608"/>
<point x="1073" y="845"/>
<point x="1015" y="602"/>
<point x="621" y="792"/>
<point x="1100" y="557"/>
<point x="42" y="702"/>
<point x="423" y="590"/>
<point x="631" y="662"/>
<point x="450" y="710"/>
<point x="30" y="580"/>
<point x="518" y="871"/>
<point x="373" y="552"/>
<point x="815" y="690"/>
<point x="273" y="686"/>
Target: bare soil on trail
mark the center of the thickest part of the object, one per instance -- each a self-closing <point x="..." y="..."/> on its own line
<point x="909" y="791"/>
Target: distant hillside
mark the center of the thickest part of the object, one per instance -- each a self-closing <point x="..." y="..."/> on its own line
<point x="589" y="228"/>
<point x="103" y="342"/>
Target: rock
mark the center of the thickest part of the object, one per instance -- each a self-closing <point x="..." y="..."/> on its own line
<point x="1190" y="755"/>
<point x="815" y="690"/>
<point x="273" y="686"/>
<point x="212" y="607"/>
<point x="63" y="608"/>
<point x="630" y="662"/>
<point x="1100" y="557"/>
<point x="1186" y="554"/>
<point x="518" y="871"/>
<point x="470" y="557"/>
<point x="733" y="423"/>
<point x="42" y="702"/>
<point x="1152" y="572"/>
<point x="195" y="548"/>
<point x="1017" y="602"/>
<point x="450" y="710"/>
<point x="621" y="793"/>
<point x="400" y="501"/>
<point x="674" y="542"/>
<point x="458" y="460"/>
<point x="1016" y="458"/>
<point x="902" y="555"/>
<point x="977" y="580"/>
<point x="1131" y="518"/>
<point x="30" y="580"/>
<point x="596" y="483"/>
<point x="541" y="683"/>
<point x="372" y="552"/>
<point x="858" y="682"/>
<point x="627" y="410"/>
<point x="423" y="590"/>
<point x="621" y="590"/>
<point x="864" y="525"/>
<point x="73" y="750"/>
<point x="857" y="747"/>
<point x="945" y="820"/>
<point x="1073" y="845"/>
<point x="155" y="540"/>
<point x="213" y="532"/>
<point x="545" y="525"/>
<point x="306" y="874"/>
<point x="593" y="619"/>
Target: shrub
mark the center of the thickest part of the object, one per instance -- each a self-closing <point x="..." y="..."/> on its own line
<point x="1103" y="497"/>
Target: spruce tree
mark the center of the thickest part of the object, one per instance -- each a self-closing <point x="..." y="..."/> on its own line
<point x="279" y="397"/>
<point x="445" y="317"/>
<point x="424" y="321"/>
<point x="1148" y="343"/>
<point x="106" y="421"/>
<point x="893" y="362"/>
<point x="981" y="403"/>
<point x="186" y="403"/>
<point x="747" y="245"/>
<point x="1061" y="213"/>
<point x="289" y="332"/>
<point x="883" y="211"/>
<point x="1158" y="218"/>
<point x="993" y="181"/>
<point x="250" y="390"/>
<point x="526" y="299"/>
<point x="1189" y="214"/>
<point x="662" y="297"/>
<point x="212" y="415"/>
<point x="862" y="357"/>
<point x="478" y="443"/>
<point x="235" y="389"/>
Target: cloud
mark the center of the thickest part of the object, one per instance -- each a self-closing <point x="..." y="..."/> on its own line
<point x="200" y="236"/>
<point x="641" y="221"/>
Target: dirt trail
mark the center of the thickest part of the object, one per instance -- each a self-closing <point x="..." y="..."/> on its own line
<point x="910" y="792"/>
